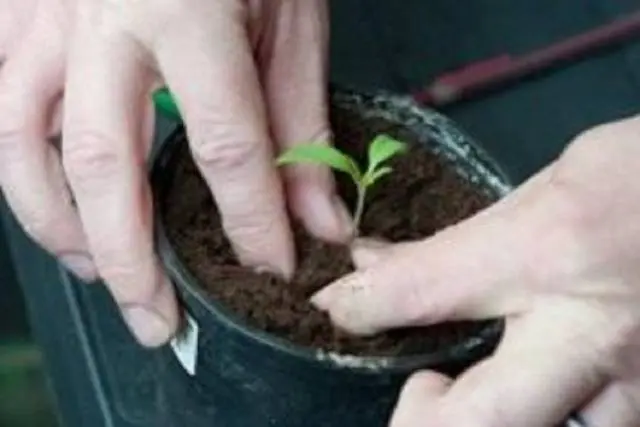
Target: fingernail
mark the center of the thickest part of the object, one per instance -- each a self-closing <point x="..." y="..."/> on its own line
<point x="265" y="269"/>
<point x="148" y="326"/>
<point x="325" y="298"/>
<point x="261" y="269"/>
<point x="370" y="243"/>
<point x="325" y="216"/>
<point x="322" y="299"/>
<point x="81" y="265"/>
<point x="346" y="308"/>
<point x="348" y="288"/>
<point x="284" y="268"/>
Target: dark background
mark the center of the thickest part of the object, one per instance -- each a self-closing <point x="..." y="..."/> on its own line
<point x="101" y="378"/>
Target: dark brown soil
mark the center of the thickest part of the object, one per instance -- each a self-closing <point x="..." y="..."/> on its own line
<point x="422" y="196"/>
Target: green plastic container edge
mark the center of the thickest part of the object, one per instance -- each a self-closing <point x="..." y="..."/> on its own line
<point x="166" y="105"/>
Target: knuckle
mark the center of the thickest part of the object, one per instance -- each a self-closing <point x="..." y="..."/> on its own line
<point x="419" y="306"/>
<point x="158" y="20"/>
<point x="594" y="134"/>
<point x="416" y="304"/>
<point x="130" y="282"/>
<point x="224" y="147"/>
<point x="89" y="156"/>
<point x="256" y="235"/>
<point x="252" y="226"/>
<point x="609" y="132"/>
<point x="584" y="156"/>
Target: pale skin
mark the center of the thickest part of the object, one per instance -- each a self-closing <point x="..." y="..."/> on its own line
<point x="239" y="71"/>
<point x="559" y="257"/>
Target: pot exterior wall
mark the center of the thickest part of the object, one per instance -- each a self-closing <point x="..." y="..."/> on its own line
<point x="245" y="378"/>
<point x="241" y="383"/>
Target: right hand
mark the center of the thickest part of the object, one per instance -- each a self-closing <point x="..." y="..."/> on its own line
<point x="558" y="259"/>
<point x="249" y="78"/>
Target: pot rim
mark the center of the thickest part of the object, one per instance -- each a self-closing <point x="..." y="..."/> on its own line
<point x="374" y="365"/>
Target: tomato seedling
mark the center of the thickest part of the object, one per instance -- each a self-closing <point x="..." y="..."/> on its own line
<point x="381" y="149"/>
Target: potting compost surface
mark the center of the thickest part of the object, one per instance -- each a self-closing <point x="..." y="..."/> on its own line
<point x="421" y="196"/>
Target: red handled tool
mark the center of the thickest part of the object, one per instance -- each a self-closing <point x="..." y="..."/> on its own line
<point x="495" y="72"/>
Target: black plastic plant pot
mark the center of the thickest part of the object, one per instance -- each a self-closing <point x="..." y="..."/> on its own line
<point x="247" y="378"/>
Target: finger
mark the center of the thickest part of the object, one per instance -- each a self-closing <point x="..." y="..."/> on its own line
<point x="55" y="123"/>
<point x="423" y="388"/>
<point x="538" y="376"/>
<point x="618" y="405"/>
<point x="465" y="272"/>
<point x="208" y="63"/>
<point x="482" y="267"/>
<point x="15" y="22"/>
<point x="368" y="252"/>
<point x="293" y="58"/>
<point x="31" y="175"/>
<point x="104" y="156"/>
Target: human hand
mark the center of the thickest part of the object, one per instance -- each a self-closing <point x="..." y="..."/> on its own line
<point x="560" y="259"/>
<point x="249" y="79"/>
<point x="15" y="18"/>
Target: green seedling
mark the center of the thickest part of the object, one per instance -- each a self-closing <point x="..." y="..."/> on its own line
<point x="381" y="149"/>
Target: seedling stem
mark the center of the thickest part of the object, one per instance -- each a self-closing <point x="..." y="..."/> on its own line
<point x="381" y="149"/>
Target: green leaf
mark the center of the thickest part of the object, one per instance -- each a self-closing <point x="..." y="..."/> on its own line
<point x="321" y="154"/>
<point x="382" y="149"/>
<point x="371" y="177"/>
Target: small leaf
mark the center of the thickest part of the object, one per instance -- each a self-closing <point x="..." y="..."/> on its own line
<point x="371" y="177"/>
<point x="383" y="148"/>
<point x="321" y="154"/>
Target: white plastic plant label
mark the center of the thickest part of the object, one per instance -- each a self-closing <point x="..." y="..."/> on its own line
<point x="185" y="345"/>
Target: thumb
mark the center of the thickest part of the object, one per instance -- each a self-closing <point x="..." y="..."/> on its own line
<point x="480" y="268"/>
<point x="513" y="386"/>
<point x="422" y="389"/>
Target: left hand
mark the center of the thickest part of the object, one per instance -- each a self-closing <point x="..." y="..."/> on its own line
<point x="238" y="69"/>
<point x="16" y="18"/>
<point x="560" y="259"/>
